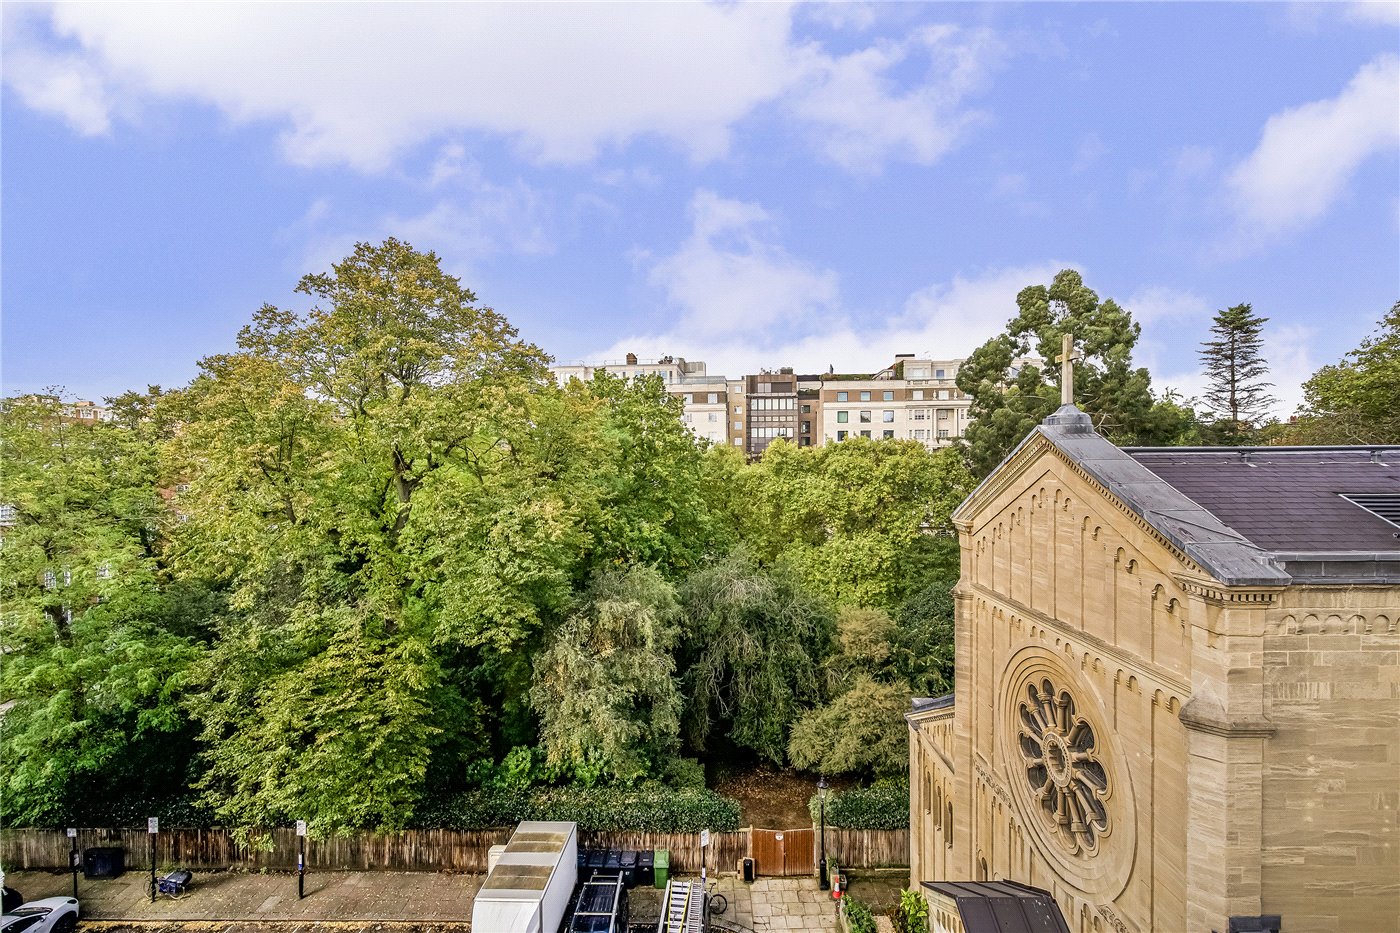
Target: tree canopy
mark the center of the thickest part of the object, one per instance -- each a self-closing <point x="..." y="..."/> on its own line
<point x="1356" y="400"/>
<point x="1013" y="385"/>
<point x="375" y="556"/>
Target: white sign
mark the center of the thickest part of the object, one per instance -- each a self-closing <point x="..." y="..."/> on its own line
<point x="301" y="827"/>
<point x="778" y="837"/>
<point x="153" y="824"/>
<point x="72" y="834"/>
<point x="704" y="838"/>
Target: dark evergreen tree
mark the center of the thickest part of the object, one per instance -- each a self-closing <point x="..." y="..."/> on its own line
<point x="1238" y="395"/>
<point x="1010" y="397"/>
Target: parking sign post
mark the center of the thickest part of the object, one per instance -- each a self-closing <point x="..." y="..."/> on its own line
<point x="153" y="827"/>
<point x="301" y="859"/>
<point x="73" y="859"/>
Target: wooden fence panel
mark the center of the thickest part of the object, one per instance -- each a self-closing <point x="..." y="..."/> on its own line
<point x="867" y="848"/>
<point x="437" y="849"/>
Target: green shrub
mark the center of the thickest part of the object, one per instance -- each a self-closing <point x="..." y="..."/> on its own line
<point x="859" y="918"/>
<point x="910" y="915"/>
<point x="608" y="809"/>
<point x="882" y="805"/>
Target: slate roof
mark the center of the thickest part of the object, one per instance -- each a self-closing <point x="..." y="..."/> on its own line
<point x="1287" y="499"/>
<point x="1002" y="906"/>
<point x="1249" y="516"/>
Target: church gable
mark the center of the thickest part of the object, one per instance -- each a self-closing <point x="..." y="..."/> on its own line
<point x="1048" y="539"/>
<point x="1137" y="682"/>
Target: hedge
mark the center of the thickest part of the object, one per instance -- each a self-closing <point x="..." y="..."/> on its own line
<point x="883" y="805"/>
<point x="607" y="809"/>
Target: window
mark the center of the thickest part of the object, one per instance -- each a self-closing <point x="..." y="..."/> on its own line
<point x="738" y="442"/>
<point x="841" y="435"/>
<point x="713" y="417"/>
<point x="921" y="414"/>
<point x="865" y="396"/>
<point x="843" y="417"/>
<point x="917" y="395"/>
<point x="943" y="395"/>
<point x="942" y="433"/>
<point x="50" y="580"/>
<point x="843" y="396"/>
<point x="738" y="409"/>
<point x="806" y="427"/>
<point x="686" y="417"/>
<point x="67" y="577"/>
<point x="888" y="435"/>
<point x="920" y="434"/>
<point x="864" y="433"/>
<point x="8" y="514"/>
<point x="713" y="398"/>
<point x="887" y="416"/>
<point x="944" y="414"/>
<point x="888" y="396"/>
<point x="86" y="413"/>
<point x="865" y="417"/>
<point x="738" y="425"/>
<point x="806" y="409"/>
<point x="104" y="570"/>
<point x="938" y="374"/>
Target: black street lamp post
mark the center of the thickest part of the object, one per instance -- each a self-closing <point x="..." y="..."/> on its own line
<point x="821" y="796"/>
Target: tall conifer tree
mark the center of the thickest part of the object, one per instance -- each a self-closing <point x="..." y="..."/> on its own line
<point x="1237" y="394"/>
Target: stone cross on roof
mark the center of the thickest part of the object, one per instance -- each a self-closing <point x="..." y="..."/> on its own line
<point x="1066" y="360"/>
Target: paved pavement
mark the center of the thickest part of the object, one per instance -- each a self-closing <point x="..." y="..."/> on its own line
<point x="238" y="902"/>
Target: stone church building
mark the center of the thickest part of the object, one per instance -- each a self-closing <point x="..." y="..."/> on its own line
<point x="1177" y="699"/>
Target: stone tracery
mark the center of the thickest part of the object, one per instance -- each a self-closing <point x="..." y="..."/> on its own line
<point x="1061" y="760"/>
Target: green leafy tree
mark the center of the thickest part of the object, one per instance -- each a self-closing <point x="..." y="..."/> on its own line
<point x="1009" y="397"/>
<point x="604" y="684"/>
<point x="1237" y="394"/>
<point x="860" y="521"/>
<point x="322" y="460"/>
<point x="1356" y="400"/>
<point x="861" y="731"/>
<point x="95" y="659"/>
<point x="753" y="648"/>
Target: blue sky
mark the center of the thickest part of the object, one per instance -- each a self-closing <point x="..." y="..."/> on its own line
<point x="751" y="185"/>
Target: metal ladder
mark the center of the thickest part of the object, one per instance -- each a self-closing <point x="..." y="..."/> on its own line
<point x="684" y="911"/>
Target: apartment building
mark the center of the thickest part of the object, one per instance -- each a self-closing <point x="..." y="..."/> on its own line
<point x="715" y="407"/>
<point x="914" y="398"/>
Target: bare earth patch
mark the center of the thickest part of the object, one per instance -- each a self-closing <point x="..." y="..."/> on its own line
<point x="770" y="798"/>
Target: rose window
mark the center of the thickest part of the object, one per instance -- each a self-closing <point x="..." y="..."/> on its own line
<point x="1062" y="766"/>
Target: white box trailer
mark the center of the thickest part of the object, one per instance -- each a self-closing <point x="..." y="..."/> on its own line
<point x="528" y="890"/>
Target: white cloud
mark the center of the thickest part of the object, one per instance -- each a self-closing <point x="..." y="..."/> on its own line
<point x="740" y="302"/>
<point x="360" y="84"/>
<point x="725" y="279"/>
<point x="1307" y="154"/>
<point x="62" y="84"/>
<point x="472" y="219"/>
<point x="1385" y="12"/>
<point x="860" y="117"/>
<point x="1154" y="305"/>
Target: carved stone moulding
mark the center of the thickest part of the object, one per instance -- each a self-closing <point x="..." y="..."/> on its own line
<point x="1065" y="772"/>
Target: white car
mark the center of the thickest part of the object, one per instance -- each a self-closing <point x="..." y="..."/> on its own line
<point x="47" y="915"/>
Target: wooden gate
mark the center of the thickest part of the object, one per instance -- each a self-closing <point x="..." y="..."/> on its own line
<point x="782" y="851"/>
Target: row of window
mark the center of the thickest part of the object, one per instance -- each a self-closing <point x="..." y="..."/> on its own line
<point x="51" y="577"/>
<point x="918" y="435"/>
<point x="917" y="395"/>
<point x="770" y="432"/>
<point x="772" y="404"/>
